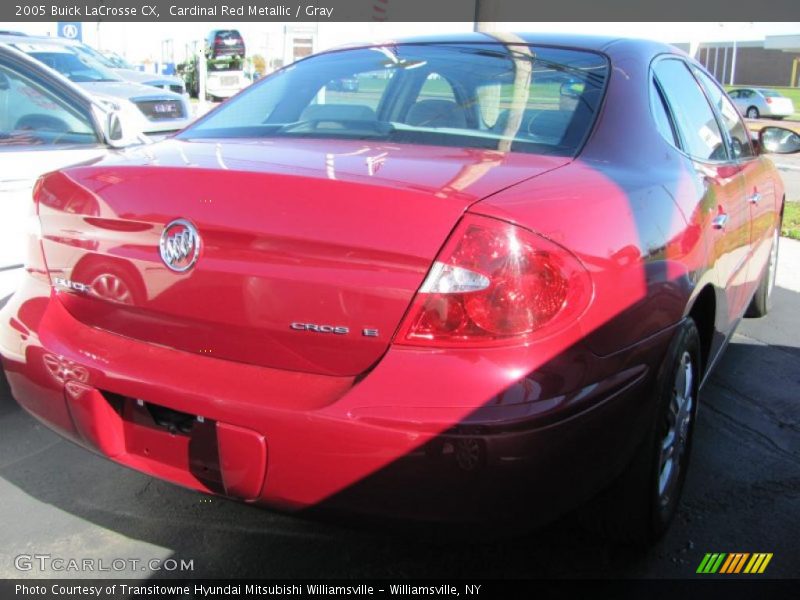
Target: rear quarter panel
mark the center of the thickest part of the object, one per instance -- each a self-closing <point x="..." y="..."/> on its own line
<point x="632" y="210"/>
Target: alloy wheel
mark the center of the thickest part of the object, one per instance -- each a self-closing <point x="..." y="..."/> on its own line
<point x="110" y="287"/>
<point x="674" y="444"/>
<point x="773" y="263"/>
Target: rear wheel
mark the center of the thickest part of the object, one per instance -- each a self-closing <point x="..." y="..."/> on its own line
<point x="641" y="504"/>
<point x="761" y="303"/>
<point x="112" y="283"/>
<point x="752" y="113"/>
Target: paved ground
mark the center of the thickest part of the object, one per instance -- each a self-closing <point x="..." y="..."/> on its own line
<point x="742" y="494"/>
<point x="789" y="167"/>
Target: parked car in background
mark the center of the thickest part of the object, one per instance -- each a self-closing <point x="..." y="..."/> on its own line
<point x="452" y="295"/>
<point x="224" y="65"/>
<point x="344" y="84"/>
<point x="129" y="73"/>
<point x="222" y="43"/>
<point x="115" y="63"/>
<point x="148" y="109"/>
<point x="761" y="102"/>
<point x="46" y="122"/>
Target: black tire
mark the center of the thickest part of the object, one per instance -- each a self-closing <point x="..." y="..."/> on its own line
<point x="639" y="506"/>
<point x="761" y="303"/>
<point x="752" y="113"/>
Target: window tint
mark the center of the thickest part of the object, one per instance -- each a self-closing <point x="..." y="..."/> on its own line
<point x="31" y="115"/>
<point x="661" y="115"/>
<point x="738" y="134"/>
<point x="359" y="89"/>
<point x="693" y="115"/>
<point x="436" y="87"/>
<point x="493" y="96"/>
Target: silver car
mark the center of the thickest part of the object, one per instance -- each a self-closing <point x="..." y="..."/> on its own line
<point x="760" y="102"/>
<point x="127" y="72"/>
<point x="148" y="109"/>
<point x="46" y="123"/>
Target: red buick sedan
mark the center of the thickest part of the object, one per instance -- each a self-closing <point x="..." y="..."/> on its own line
<point x="485" y="284"/>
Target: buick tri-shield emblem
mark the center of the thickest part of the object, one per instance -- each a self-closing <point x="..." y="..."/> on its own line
<point x="180" y="245"/>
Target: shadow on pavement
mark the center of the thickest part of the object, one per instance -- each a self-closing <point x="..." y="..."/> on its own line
<point x="741" y="495"/>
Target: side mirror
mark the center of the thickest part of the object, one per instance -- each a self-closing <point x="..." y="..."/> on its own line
<point x="113" y="130"/>
<point x="778" y="140"/>
<point x="116" y="129"/>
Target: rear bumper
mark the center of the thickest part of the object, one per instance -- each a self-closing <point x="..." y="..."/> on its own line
<point x="219" y="90"/>
<point x="165" y="125"/>
<point x="778" y="111"/>
<point x="141" y="122"/>
<point x="431" y="435"/>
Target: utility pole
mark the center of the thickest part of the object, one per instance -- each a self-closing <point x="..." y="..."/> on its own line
<point x="202" y="74"/>
<point x="483" y="13"/>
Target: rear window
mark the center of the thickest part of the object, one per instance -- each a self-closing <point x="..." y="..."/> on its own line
<point x="228" y="35"/>
<point x="78" y="68"/>
<point x="769" y="94"/>
<point x="491" y="96"/>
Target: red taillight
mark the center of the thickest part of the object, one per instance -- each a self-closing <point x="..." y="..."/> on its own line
<point x="768" y="99"/>
<point x="495" y="283"/>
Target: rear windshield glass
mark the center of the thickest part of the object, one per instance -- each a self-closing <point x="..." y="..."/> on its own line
<point x="770" y="94"/>
<point x="228" y="35"/>
<point x="505" y="97"/>
<point x="78" y="68"/>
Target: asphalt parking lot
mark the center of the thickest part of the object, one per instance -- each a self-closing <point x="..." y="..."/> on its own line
<point x="742" y="495"/>
<point x="789" y="167"/>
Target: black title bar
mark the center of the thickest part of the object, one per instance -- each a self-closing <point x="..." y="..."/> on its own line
<point x="712" y="588"/>
<point x="398" y="10"/>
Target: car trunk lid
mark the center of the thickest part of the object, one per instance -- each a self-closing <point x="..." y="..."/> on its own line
<point x="308" y="258"/>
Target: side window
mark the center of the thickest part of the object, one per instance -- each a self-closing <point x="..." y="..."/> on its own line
<point x="491" y="104"/>
<point x="731" y="119"/>
<point x="436" y="87"/>
<point x="694" y="118"/>
<point x="255" y="109"/>
<point x="661" y="115"/>
<point x="436" y="106"/>
<point x="734" y="93"/>
<point x="32" y="115"/>
<point x="363" y="90"/>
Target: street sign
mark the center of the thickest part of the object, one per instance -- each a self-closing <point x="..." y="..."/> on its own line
<point x="71" y="31"/>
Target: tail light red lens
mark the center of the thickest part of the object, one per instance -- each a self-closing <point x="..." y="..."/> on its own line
<point x="495" y="283"/>
<point x="768" y="99"/>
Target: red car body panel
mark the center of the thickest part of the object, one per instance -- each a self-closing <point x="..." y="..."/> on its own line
<point x="360" y="268"/>
<point x="343" y="233"/>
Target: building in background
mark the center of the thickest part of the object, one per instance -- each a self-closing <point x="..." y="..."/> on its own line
<point x="773" y="62"/>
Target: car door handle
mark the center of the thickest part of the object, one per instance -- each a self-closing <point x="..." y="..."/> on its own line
<point x="720" y="221"/>
<point x="754" y="198"/>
